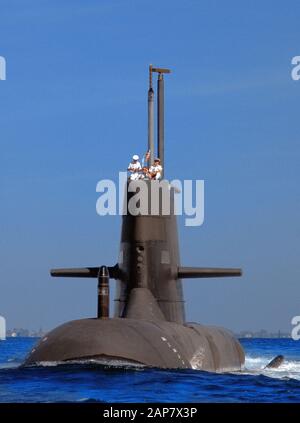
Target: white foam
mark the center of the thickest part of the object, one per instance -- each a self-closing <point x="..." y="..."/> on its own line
<point x="9" y="365"/>
<point x="99" y="361"/>
<point x="256" y="366"/>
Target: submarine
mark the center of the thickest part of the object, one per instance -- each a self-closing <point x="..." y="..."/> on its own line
<point x="148" y="326"/>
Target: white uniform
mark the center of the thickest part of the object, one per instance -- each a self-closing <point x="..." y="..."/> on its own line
<point x="135" y="168"/>
<point x="156" y="169"/>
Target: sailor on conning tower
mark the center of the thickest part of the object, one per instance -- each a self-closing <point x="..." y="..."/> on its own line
<point x="156" y="169"/>
<point x="134" y="168"/>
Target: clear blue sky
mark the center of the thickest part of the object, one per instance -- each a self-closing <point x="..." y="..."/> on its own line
<point x="73" y="110"/>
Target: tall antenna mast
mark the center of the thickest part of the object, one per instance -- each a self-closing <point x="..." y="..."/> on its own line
<point x="160" y="115"/>
<point x="150" y="118"/>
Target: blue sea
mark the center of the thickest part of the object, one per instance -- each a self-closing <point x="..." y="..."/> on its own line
<point x="92" y="382"/>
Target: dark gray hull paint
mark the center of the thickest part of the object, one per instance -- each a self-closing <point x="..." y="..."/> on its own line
<point x="157" y="344"/>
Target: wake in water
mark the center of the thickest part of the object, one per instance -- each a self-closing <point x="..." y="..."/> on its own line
<point x="121" y="381"/>
<point x="253" y="366"/>
<point x="99" y="362"/>
<point x="289" y="369"/>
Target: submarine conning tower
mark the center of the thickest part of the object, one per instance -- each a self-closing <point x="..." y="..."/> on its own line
<point x="149" y="287"/>
<point x="149" y="256"/>
<point x="148" y="272"/>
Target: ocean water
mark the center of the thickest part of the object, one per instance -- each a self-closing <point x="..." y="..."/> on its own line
<point x="92" y="382"/>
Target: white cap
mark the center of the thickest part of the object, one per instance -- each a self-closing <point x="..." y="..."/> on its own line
<point x="135" y="157"/>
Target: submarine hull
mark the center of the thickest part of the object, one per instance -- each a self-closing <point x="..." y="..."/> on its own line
<point x="154" y="344"/>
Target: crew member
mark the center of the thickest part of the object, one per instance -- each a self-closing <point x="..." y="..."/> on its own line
<point x="156" y="169"/>
<point x="145" y="170"/>
<point x="134" y="168"/>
